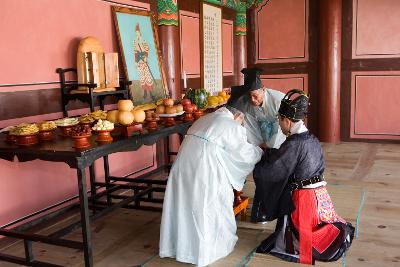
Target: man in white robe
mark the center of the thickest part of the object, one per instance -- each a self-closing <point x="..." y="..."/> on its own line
<point x="198" y="225"/>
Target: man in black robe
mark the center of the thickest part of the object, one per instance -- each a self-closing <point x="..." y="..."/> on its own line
<point x="290" y="187"/>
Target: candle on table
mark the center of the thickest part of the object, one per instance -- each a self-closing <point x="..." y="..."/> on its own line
<point x="184" y="79"/>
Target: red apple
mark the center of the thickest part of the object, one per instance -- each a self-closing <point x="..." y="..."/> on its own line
<point x="195" y="108"/>
<point x="186" y="101"/>
<point x="188" y="108"/>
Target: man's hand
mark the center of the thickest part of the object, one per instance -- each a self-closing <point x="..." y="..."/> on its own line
<point x="263" y="146"/>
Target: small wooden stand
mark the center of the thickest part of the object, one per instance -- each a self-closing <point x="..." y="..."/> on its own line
<point x="169" y="121"/>
<point x="11" y="138"/>
<point x="240" y="205"/>
<point x="188" y="116"/>
<point x="198" y="114"/>
<point x="241" y="208"/>
<point x="237" y="198"/>
<point x="104" y="136"/>
<point x="152" y="124"/>
<point x="65" y="130"/>
<point x="128" y="130"/>
<point x="27" y="140"/>
<point x="81" y="141"/>
<point x="46" y="135"/>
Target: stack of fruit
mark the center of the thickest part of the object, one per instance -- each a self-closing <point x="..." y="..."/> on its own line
<point x="126" y="114"/>
<point x="198" y="97"/>
<point x="167" y="107"/>
<point x="214" y="101"/>
<point x="188" y="106"/>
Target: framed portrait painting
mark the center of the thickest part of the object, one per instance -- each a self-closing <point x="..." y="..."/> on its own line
<point x="138" y="42"/>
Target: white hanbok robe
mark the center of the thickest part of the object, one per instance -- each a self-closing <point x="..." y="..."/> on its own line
<point x="198" y="225"/>
<point x="261" y="123"/>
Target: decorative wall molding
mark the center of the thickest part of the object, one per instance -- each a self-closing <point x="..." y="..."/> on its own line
<point x="286" y="82"/>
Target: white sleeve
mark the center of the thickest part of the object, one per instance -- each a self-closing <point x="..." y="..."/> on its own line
<point x="276" y="140"/>
<point x="239" y="157"/>
<point x="253" y="130"/>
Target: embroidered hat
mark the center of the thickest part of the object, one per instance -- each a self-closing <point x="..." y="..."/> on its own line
<point x="295" y="108"/>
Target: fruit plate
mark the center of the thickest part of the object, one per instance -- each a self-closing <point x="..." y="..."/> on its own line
<point x="171" y="115"/>
<point x="218" y="105"/>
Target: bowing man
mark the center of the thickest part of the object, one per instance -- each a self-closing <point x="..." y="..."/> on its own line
<point x="198" y="224"/>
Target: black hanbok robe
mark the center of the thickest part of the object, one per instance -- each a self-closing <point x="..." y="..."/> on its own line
<point x="308" y="228"/>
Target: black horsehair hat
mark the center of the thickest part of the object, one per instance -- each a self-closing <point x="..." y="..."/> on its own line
<point x="252" y="78"/>
<point x="294" y="109"/>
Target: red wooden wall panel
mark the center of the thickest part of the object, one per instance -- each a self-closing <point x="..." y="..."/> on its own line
<point x="227" y="47"/>
<point x="286" y="82"/>
<point x="376" y="28"/>
<point x="190" y="43"/>
<point x="375" y="105"/>
<point x="282" y="31"/>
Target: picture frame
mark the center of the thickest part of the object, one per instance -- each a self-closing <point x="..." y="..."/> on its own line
<point x="140" y="53"/>
<point x="211" y="47"/>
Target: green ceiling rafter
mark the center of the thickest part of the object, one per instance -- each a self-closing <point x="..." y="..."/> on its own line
<point x="240" y="6"/>
<point x="167" y="12"/>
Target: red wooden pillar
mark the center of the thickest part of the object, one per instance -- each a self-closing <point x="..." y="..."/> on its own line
<point x="170" y="51"/>
<point x="240" y="57"/>
<point x="330" y="21"/>
<point x="168" y="31"/>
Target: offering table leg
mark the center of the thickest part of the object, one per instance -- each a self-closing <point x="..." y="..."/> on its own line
<point x="85" y="223"/>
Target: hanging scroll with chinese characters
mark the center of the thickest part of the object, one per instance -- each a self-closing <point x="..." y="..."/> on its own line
<point x="211" y="29"/>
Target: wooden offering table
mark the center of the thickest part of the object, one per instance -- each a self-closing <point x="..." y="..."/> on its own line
<point x="93" y="207"/>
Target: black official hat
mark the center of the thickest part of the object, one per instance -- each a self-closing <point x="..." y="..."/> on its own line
<point x="252" y="79"/>
<point x="296" y="108"/>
